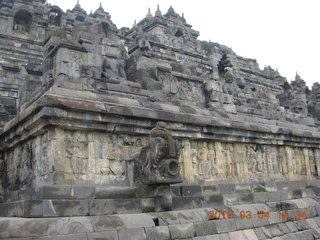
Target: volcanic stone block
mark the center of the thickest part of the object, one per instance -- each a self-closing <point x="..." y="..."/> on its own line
<point x="83" y="192"/>
<point x="231" y="199"/>
<point x="307" y="193"/>
<point x="259" y="233"/>
<point x="260" y="221"/>
<point x="297" y="193"/>
<point x="32" y="208"/>
<point x="46" y="226"/>
<point x="137" y="220"/>
<point x="147" y="205"/>
<point x="180" y="231"/>
<point x="260" y="197"/>
<point x="271" y="186"/>
<point x="226" y="225"/>
<point x="274" y="196"/>
<point x="115" y="193"/>
<point x="243" y="223"/>
<point x="128" y="205"/>
<point x="272" y="231"/>
<point x="8" y="209"/>
<point x="285" y="195"/>
<point x="109" y="235"/>
<point x="210" y="189"/>
<point x="132" y="234"/>
<point x="191" y="191"/>
<point x="284" y="228"/>
<point x="242" y="188"/>
<point x="56" y="192"/>
<point x="165" y="218"/>
<point x="311" y="202"/>
<point x="176" y="191"/>
<point x="65" y="208"/>
<point x="238" y="235"/>
<point x="107" y="223"/>
<point x="283" y="186"/>
<point x="227" y="188"/>
<point x="245" y="198"/>
<point x="62" y="237"/>
<point x="275" y="218"/>
<point x="288" y="205"/>
<point x="250" y="234"/>
<point x="157" y="233"/>
<point x="213" y="200"/>
<point x="27" y="194"/>
<point x="205" y="228"/>
<point x="102" y="207"/>
<point x="311" y="212"/>
<point x="186" y="202"/>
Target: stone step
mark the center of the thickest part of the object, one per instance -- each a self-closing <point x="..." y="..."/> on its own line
<point x="294" y="189"/>
<point x="94" y="207"/>
<point x="292" y="219"/>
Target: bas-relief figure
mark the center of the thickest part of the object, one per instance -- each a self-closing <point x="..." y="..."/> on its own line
<point x="231" y="161"/>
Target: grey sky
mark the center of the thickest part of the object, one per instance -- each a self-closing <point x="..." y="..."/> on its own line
<point x="281" y="33"/>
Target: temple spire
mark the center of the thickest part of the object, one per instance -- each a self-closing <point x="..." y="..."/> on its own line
<point x="149" y="15"/>
<point x="158" y="12"/>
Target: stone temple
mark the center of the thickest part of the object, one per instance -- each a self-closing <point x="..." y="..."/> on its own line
<point x="148" y="133"/>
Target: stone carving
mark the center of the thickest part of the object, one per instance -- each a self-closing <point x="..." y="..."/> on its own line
<point x="3" y="171"/>
<point x="25" y="168"/>
<point x="158" y="163"/>
<point x="95" y="73"/>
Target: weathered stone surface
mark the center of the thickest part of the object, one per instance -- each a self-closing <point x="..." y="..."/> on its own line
<point x="191" y="191"/>
<point x="226" y="225"/>
<point x="102" y="207"/>
<point x="136" y="220"/>
<point x="132" y="234"/>
<point x="205" y="228"/>
<point x="158" y="233"/>
<point x="44" y="227"/>
<point x="128" y="206"/>
<point x="64" y="208"/>
<point x="179" y="231"/>
<point x="109" y="235"/>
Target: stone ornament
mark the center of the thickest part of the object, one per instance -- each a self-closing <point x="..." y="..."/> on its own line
<point x="158" y="163"/>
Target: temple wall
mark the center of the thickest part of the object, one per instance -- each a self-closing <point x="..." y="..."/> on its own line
<point x="71" y="157"/>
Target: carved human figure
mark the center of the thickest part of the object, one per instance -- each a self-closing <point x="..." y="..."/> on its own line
<point x="112" y="69"/>
<point x="229" y="164"/>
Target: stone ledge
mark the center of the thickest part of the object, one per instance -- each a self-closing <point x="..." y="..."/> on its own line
<point x="192" y="224"/>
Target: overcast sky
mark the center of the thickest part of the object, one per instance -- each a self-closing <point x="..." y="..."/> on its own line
<point x="284" y="34"/>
